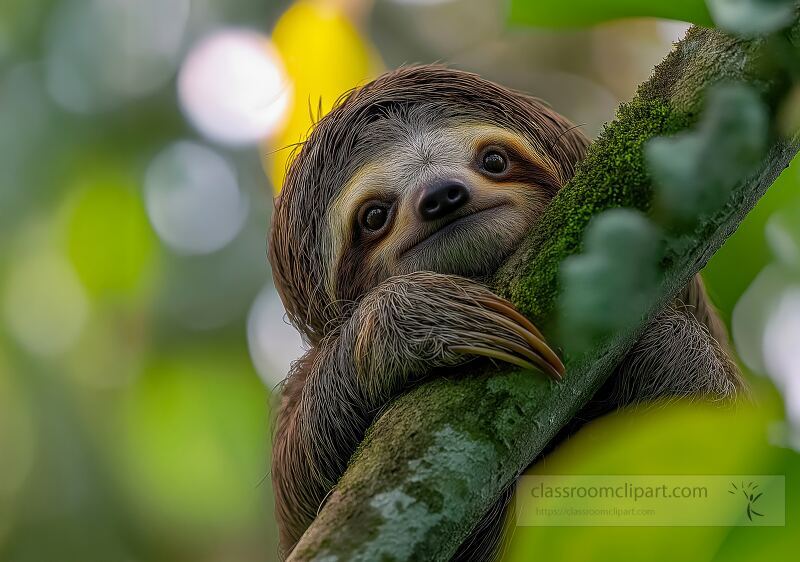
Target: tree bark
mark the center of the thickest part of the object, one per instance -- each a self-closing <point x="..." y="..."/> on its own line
<point x="437" y="458"/>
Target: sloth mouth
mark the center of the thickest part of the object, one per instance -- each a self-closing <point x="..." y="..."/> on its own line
<point x="449" y="226"/>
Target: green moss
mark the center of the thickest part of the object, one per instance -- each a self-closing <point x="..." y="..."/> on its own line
<point x="618" y="153"/>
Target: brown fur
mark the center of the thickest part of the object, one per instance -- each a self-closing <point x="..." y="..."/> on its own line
<point x="375" y="328"/>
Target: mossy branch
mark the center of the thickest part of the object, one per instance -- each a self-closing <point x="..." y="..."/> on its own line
<point x="440" y="455"/>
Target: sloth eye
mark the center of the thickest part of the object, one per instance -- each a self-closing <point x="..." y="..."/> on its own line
<point x="494" y="162"/>
<point x="374" y="217"/>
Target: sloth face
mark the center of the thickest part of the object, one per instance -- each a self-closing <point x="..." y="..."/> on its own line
<point x="423" y="169"/>
<point x="452" y="199"/>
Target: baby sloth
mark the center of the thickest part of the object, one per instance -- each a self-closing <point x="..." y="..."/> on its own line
<point x="409" y="193"/>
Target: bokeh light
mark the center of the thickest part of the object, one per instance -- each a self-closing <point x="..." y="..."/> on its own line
<point x="233" y="87"/>
<point x="672" y="31"/>
<point x="783" y="235"/>
<point x="782" y="355"/>
<point x="100" y="53"/>
<point x="106" y="224"/>
<point x="44" y="304"/>
<point x="766" y="319"/>
<point x="193" y="198"/>
<point x="273" y="342"/>
<point x="752" y="313"/>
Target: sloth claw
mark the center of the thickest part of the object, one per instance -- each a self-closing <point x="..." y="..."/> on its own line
<point x="527" y="354"/>
<point x="537" y="344"/>
<point x="507" y="309"/>
<point x="493" y="354"/>
<point x="535" y="355"/>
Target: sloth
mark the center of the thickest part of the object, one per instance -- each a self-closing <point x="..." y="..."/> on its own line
<point x="394" y="214"/>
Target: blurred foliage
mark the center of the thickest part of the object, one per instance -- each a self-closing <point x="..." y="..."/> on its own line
<point x="783" y="235"/>
<point x="612" y="282"/>
<point x="751" y="18"/>
<point x="126" y="431"/>
<point x="20" y="23"/>
<point x="193" y="410"/>
<point x="695" y="172"/>
<point x="747" y="252"/>
<point x="683" y="438"/>
<point x="556" y="13"/>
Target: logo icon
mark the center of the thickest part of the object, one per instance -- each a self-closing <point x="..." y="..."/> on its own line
<point x="751" y="495"/>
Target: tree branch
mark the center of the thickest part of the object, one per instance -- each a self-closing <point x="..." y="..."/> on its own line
<point x="439" y="456"/>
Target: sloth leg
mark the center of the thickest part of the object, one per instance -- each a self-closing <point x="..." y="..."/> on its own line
<point x="397" y="333"/>
<point x="684" y="353"/>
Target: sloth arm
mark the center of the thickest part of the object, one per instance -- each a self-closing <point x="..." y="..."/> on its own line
<point x="684" y="352"/>
<point x="397" y="333"/>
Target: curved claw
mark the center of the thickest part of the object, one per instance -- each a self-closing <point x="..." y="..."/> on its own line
<point x="526" y="353"/>
<point x="504" y="307"/>
<point x="534" y="342"/>
<point x="493" y="354"/>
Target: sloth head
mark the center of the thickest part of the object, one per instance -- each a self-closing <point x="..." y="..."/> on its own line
<point x="425" y="168"/>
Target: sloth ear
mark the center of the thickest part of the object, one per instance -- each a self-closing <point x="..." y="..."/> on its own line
<point x="562" y="140"/>
<point x="569" y="148"/>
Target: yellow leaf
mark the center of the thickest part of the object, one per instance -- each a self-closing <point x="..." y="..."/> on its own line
<point x="325" y="56"/>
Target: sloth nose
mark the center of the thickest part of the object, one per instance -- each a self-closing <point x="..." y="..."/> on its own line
<point x="440" y="199"/>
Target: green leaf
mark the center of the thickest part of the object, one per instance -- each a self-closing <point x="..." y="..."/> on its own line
<point x="751" y="18"/>
<point x="678" y="439"/>
<point x="557" y="13"/>
<point x="608" y="286"/>
<point x="695" y="171"/>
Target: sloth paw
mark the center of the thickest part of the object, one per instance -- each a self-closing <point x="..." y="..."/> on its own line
<point x="425" y="319"/>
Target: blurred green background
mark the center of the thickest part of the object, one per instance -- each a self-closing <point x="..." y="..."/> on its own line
<point x="140" y="335"/>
